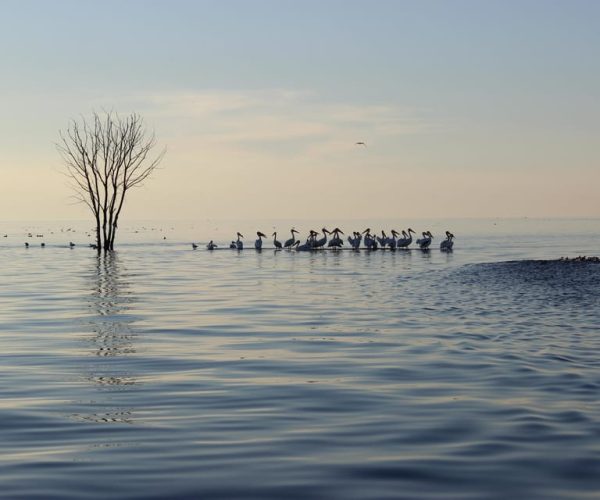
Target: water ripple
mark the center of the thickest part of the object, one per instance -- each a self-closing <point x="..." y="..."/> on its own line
<point x="180" y="374"/>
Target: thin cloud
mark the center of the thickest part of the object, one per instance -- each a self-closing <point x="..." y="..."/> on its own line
<point x="251" y="118"/>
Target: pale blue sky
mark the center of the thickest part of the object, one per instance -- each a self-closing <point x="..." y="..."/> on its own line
<point x="469" y="108"/>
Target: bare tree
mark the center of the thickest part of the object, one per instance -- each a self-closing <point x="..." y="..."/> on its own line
<point x="105" y="157"/>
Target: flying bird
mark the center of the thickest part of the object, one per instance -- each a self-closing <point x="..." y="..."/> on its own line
<point x="361" y="143"/>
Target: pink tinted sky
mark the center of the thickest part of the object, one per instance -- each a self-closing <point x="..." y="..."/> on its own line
<point x="468" y="108"/>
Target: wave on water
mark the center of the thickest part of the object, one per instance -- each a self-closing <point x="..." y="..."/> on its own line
<point x="538" y="280"/>
<point x="168" y="373"/>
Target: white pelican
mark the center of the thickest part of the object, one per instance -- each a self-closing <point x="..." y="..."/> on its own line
<point x="336" y="241"/>
<point x="258" y="242"/>
<point x="393" y="241"/>
<point x="368" y="238"/>
<point x="305" y="247"/>
<point x="239" y="244"/>
<point x="425" y="241"/>
<point x="370" y="241"/>
<point x="276" y="243"/>
<point x="211" y="245"/>
<point x="309" y="244"/>
<point x="289" y="243"/>
<point x="320" y="243"/>
<point x="407" y="240"/>
<point x="383" y="239"/>
<point x="355" y="242"/>
<point x="448" y="243"/>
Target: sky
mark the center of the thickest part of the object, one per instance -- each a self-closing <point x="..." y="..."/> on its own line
<point x="467" y="108"/>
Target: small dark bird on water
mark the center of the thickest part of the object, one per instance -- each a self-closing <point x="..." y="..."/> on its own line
<point x="71" y="244"/>
<point x="43" y="245"/>
<point x="194" y="246"/>
<point x="26" y="245"/>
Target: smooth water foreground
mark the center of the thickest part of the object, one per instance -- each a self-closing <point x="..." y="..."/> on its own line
<point x="162" y="372"/>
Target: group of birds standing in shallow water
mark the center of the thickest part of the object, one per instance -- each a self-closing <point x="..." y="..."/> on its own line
<point x="334" y="240"/>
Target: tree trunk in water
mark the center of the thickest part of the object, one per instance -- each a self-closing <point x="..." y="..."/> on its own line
<point x="113" y="234"/>
<point x="104" y="235"/>
<point x="98" y="235"/>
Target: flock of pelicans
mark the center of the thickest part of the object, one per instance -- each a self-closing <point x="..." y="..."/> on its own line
<point x="334" y="240"/>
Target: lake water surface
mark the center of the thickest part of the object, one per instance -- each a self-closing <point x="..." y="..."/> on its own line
<point x="164" y="372"/>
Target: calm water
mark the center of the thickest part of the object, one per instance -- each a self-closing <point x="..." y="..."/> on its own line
<point x="162" y="372"/>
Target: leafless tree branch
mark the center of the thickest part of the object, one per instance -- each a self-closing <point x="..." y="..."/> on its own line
<point x="105" y="157"/>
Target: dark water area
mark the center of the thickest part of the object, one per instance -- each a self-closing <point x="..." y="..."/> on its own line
<point x="162" y="372"/>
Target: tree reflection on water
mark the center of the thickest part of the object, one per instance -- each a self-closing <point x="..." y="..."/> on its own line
<point x="111" y="301"/>
<point x="111" y="338"/>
